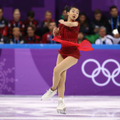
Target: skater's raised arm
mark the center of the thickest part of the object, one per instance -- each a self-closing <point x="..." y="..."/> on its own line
<point x="68" y="24"/>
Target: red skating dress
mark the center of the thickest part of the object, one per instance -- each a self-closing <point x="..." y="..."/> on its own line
<point x="68" y="39"/>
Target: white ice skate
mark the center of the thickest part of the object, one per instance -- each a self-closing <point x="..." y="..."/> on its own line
<point x="50" y="93"/>
<point x="61" y="108"/>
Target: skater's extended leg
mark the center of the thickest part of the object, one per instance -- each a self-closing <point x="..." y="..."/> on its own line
<point x="61" y="85"/>
<point x="51" y="92"/>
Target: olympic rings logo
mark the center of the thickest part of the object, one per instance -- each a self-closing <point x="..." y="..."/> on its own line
<point x="104" y="70"/>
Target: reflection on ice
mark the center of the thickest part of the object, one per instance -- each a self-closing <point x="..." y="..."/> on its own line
<point x="78" y="107"/>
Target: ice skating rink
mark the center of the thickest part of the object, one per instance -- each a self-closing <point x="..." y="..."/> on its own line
<point x="78" y="108"/>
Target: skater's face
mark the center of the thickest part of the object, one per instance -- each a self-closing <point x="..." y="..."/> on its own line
<point x="73" y="13"/>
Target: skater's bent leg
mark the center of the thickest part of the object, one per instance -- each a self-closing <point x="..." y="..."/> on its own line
<point x="61" y="85"/>
<point x="50" y="93"/>
<point x="59" y="59"/>
<point x="61" y="67"/>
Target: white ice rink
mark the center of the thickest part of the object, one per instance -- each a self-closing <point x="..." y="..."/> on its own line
<point x="78" y="108"/>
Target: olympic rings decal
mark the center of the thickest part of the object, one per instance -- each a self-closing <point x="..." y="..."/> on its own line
<point x="104" y="70"/>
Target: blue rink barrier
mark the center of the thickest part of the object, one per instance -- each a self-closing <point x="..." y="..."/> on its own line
<point x="53" y="46"/>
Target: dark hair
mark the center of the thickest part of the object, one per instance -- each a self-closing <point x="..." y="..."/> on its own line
<point x="31" y="14"/>
<point x="98" y="11"/>
<point x="112" y="7"/>
<point x="31" y="26"/>
<point x="67" y="8"/>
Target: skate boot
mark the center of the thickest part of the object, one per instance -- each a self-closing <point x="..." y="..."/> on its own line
<point x="61" y="106"/>
<point x="50" y="93"/>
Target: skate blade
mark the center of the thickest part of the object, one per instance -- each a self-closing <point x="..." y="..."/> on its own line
<point x="62" y="111"/>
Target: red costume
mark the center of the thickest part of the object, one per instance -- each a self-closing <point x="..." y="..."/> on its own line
<point x="68" y="39"/>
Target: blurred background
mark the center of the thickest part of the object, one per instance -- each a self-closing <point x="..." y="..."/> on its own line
<point x="36" y="19"/>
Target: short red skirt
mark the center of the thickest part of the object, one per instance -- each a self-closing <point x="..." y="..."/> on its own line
<point x="71" y="48"/>
<point x="70" y="51"/>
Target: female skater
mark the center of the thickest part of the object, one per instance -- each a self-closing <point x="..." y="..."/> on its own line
<point x="67" y="57"/>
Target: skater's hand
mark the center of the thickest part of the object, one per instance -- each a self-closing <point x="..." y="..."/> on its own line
<point x="55" y="31"/>
<point x="61" y="21"/>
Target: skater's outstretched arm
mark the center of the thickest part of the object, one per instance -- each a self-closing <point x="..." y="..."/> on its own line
<point x="68" y="24"/>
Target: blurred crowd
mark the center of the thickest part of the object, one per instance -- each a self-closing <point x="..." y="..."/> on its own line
<point x="100" y="30"/>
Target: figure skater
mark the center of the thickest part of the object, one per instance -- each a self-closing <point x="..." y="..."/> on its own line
<point x="67" y="57"/>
